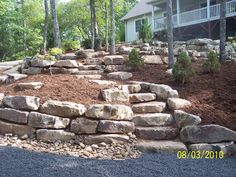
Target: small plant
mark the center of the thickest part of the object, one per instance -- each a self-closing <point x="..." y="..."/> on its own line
<point x="135" y="60"/>
<point x="182" y="69"/>
<point x="145" y="32"/>
<point x="55" y="51"/>
<point x="46" y="57"/>
<point x="212" y="64"/>
<point x="70" y="45"/>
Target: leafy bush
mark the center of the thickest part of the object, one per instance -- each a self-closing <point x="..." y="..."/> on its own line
<point x="182" y="69"/>
<point x="212" y="64"/>
<point x="145" y="32"/>
<point x="86" y="44"/>
<point x="70" y="45"/>
<point x="135" y="60"/>
<point x="55" y="51"/>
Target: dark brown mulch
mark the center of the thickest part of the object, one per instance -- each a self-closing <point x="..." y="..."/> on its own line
<point x="213" y="95"/>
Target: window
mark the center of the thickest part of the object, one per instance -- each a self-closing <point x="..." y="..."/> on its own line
<point x="138" y="24"/>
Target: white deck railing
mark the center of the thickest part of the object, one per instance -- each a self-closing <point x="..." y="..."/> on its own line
<point x="197" y="16"/>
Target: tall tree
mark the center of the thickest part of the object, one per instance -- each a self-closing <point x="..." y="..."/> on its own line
<point x="56" y="31"/>
<point x="222" y="30"/>
<point x="92" y="4"/>
<point x="45" y="30"/>
<point x="112" y="14"/>
<point x="170" y="33"/>
<point x="106" y="17"/>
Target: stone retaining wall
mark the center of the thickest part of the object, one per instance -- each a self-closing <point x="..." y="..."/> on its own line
<point x="65" y="121"/>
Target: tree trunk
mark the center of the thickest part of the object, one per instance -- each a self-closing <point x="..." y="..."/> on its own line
<point x="170" y="33"/>
<point x="112" y="13"/>
<point x="92" y="24"/>
<point x="106" y="17"/>
<point x="45" y="30"/>
<point x="222" y="30"/>
<point x="56" y="31"/>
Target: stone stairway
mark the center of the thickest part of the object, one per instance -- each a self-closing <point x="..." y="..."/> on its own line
<point x="156" y="131"/>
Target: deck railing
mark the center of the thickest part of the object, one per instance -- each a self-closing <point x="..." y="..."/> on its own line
<point x="197" y="16"/>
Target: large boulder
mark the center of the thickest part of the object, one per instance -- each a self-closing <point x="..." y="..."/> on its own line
<point x="30" y="85"/>
<point x="156" y="133"/>
<point x="207" y="134"/>
<point x="13" y="115"/>
<point x="228" y="148"/>
<point x="116" y="68"/>
<point x="120" y="75"/>
<point x="63" y="109"/>
<point x="141" y="97"/>
<point x="66" y="64"/>
<point x="108" y="126"/>
<point x="108" y="111"/>
<point x="154" y="119"/>
<point x="54" y="135"/>
<point x="152" y="59"/>
<point x="114" y="60"/>
<point x="125" y="49"/>
<point x="178" y="103"/>
<point x="161" y="146"/>
<point x="114" y="95"/>
<point x="135" y="88"/>
<point x="84" y="126"/>
<point x="15" y="129"/>
<point x="60" y="70"/>
<point x="150" y="107"/>
<point x="163" y="91"/>
<point x="39" y="62"/>
<point x="94" y="61"/>
<point x="183" y="119"/>
<point x="38" y="120"/>
<point x="30" y="103"/>
<point x="32" y="70"/>
<point x="14" y="77"/>
<point x="108" y="139"/>
<point x="82" y="54"/>
<point x="103" y="82"/>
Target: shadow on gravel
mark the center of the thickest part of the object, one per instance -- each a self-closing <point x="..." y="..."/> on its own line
<point x="16" y="162"/>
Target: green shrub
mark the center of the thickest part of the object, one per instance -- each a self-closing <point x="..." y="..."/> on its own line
<point x="55" y="51"/>
<point x="70" y="45"/>
<point x="182" y="69"/>
<point x="212" y="64"/>
<point x="145" y="32"/>
<point x="86" y="44"/>
<point x="46" y="57"/>
<point x="135" y="60"/>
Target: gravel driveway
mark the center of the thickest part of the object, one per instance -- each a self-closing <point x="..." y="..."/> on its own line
<point x="16" y="162"/>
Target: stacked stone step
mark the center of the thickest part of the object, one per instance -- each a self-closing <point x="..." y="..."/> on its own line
<point x="156" y="131"/>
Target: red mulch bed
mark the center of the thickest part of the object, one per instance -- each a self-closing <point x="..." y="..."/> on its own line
<point x="59" y="87"/>
<point x="213" y="95"/>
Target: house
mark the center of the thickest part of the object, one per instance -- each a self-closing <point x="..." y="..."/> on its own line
<point x="191" y="18"/>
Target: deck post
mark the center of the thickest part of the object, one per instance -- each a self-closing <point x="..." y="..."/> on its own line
<point x="178" y="11"/>
<point x="208" y="8"/>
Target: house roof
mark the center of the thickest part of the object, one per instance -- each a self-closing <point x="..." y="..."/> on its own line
<point x="139" y="9"/>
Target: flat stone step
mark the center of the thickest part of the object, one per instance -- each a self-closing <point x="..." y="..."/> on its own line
<point x="149" y="107"/>
<point x="141" y="97"/>
<point x="160" y="146"/>
<point x="153" y="119"/>
<point x="91" y="67"/>
<point x="89" y="72"/>
<point x="95" y="76"/>
<point x="156" y="133"/>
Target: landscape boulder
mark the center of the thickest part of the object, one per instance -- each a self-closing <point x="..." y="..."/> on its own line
<point x="66" y="64"/>
<point x="1" y="99"/>
<point x="114" y="60"/>
<point x="54" y="135"/>
<point x="135" y="88"/>
<point x="14" y="116"/>
<point x="150" y="107"/>
<point x="163" y="91"/>
<point x="207" y="134"/>
<point x="32" y="70"/>
<point x="63" y="109"/>
<point x="39" y="62"/>
<point x="3" y="79"/>
<point x="108" y="139"/>
<point x="114" y="95"/>
<point x="38" y="120"/>
<point x="178" y="103"/>
<point x="14" y="77"/>
<point x="108" y="126"/>
<point x="116" y="68"/>
<point x="29" y="103"/>
<point x="152" y="59"/>
<point x="30" y="85"/>
<point x="110" y="112"/>
<point x="141" y="97"/>
<point x="120" y="75"/>
<point x="183" y="119"/>
<point x="84" y="126"/>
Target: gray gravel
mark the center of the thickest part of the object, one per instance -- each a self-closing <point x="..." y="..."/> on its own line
<point x="16" y="162"/>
